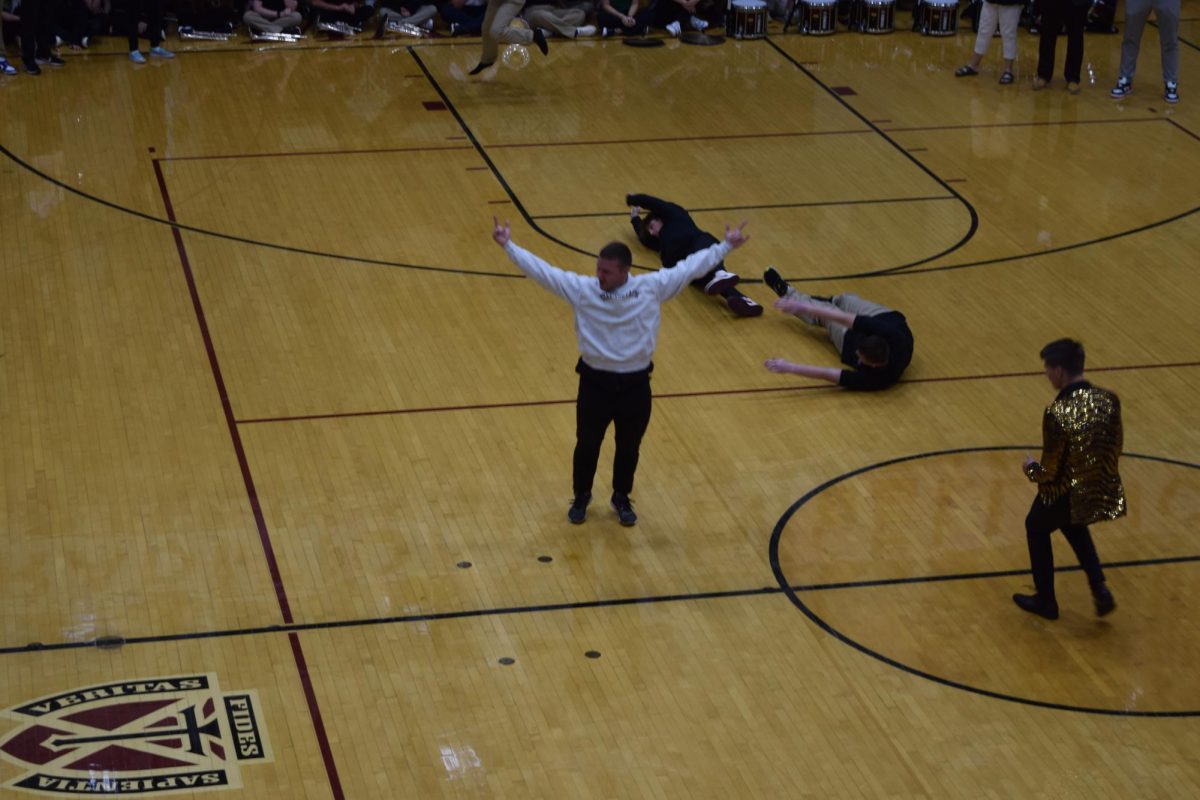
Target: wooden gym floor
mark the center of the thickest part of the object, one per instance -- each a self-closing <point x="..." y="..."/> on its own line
<point x="283" y="430"/>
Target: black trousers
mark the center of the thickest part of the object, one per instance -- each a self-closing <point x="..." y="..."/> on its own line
<point x="1054" y="14"/>
<point x="37" y="29"/>
<point x="1044" y="520"/>
<point x="622" y="399"/>
<point x="153" y="10"/>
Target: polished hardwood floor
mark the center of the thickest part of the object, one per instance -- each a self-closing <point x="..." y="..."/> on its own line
<point x="286" y="438"/>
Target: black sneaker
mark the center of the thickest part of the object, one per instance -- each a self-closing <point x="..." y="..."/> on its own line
<point x="741" y="305"/>
<point x="577" y="513"/>
<point x="1034" y="605"/>
<point x="51" y="61"/>
<point x="539" y="39"/>
<point x="624" y="509"/>
<point x="32" y="68"/>
<point x="1105" y="604"/>
<point x="775" y="281"/>
<point x="1171" y="92"/>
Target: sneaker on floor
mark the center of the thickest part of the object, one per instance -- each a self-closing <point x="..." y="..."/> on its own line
<point x="743" y="306"/>
<point x="721" y="280"/>
<point x="604" y="32"/>
<point x="1034" y="605"/>
<point x="539" y="39"/>
<point x="674" y="29"/>
<point x="161" y="52"/>
<point x="1104" y="601"/>
<point x="51" y="61"/>
<point x="1171" y="93"/>
<point x="7" y="68"/>
<point x="32" y="69"/>
<point x="1122" y="89"/>
<point x="697" y="24"/>
<point x="624" y="509"/>
<point x="136" y="57"/>
<point x="775" y="282"/>
<point x="585" y="30"/>
<point x="577" y="513"/>
<point x="427" y="25"/>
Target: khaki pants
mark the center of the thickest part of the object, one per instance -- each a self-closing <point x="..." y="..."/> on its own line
<point x="497" y="27"/>
<point x="417" y="18"/>
<point x="562" y="21"/>
<point x="850" y="303"/>
<point x="276" y="25"/>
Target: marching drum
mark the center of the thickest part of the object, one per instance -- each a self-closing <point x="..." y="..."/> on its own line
<point x="818" y="17"/>
<point x="748" y="19"/>
<point x="938" y="17"/>
<point x="874" y="16"/>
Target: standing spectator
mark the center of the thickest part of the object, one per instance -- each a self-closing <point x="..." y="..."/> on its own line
<point x="1054" y="14"/>
<point x="6" y="16"/>
<point x="616" y="327"/>
<point x="37" y="35"/>
<point x="153" y="28"/>
<point x="1166" y="13"/>
<point x="1006" y="13"/>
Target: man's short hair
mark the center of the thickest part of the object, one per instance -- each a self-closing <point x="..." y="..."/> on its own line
<point x="1065" y="353"/>
<point x="616" y="251"/>
<point x="874" y="349"/>
<point x="643" y="231"/>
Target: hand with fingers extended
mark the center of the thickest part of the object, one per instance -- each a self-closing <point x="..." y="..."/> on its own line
<point x="501" y="234"/>
<point x="735" y="237"/>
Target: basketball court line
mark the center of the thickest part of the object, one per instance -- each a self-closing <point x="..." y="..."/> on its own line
<point x="815" y="204"/>
<point x="678" y="395"/>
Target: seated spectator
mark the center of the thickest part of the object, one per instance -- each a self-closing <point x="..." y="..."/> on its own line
<point x="559" y="16"/>
<point x="465" y="17"/>
<point x="273" y="16"/>
<point x="217" y="18"/>
<point x="417" y="13"/>
<point x="672" y="14"/>
<point x="624" y="17"/>
<point x="351" y="13"/>
<point x="70" y="24"/>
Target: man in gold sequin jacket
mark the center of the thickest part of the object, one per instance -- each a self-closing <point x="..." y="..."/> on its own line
<point x="1077" y="478"/>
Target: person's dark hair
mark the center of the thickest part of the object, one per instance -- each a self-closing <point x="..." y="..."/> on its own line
<point x="1065" y="353"/>
<point x="643" y="232"/>
<point x="619" y="252"/>
<point x="874" y="349"/>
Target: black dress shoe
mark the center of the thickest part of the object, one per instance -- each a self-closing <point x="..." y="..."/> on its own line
<point x="480" y="67"/>
<point x="1032" y="604"/>
<point x="1105" y="604"/>
<point x="539" y="39"/>
<point x="32" y="69"/>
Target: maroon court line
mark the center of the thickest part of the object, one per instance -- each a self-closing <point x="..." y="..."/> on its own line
<point x="1042" y="123"/>
<point x="226" y="405"/>
<point x="251" y="492"/>
<point x="677" y="395"/>
<point x="305" y="153"/>
<point x="314" y="710"/>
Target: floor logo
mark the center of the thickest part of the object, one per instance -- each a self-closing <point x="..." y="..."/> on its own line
<point x="136" y="738"/>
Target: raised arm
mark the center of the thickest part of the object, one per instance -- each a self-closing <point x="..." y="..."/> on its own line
<point x="655" y="206"/>
<point x="561" y="282"/>
<point x="818" y="310"/>
<point x="831" y="374"/>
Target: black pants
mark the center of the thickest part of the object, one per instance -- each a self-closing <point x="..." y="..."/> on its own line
<point x="1044" y="520"/>
<point x="153" y="17"/>
<point x="37" y="29"/>
<point x="609" y="397"/>
<point x="1054" y="14"/>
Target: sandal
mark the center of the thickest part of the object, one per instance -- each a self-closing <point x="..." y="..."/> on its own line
<point x="1006" y="78"/>
<point x="965" y="70"/>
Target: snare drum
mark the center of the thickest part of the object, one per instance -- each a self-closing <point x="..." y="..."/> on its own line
<point x="748" y="19"/>
<point x="818" y="17"/>
<point x="874" y="16"/>
<point x="938" y="17"/>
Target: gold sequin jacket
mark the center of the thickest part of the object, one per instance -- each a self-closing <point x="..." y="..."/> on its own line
<point x="1081" y="444"/>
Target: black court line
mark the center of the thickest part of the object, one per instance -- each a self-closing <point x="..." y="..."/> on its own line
<point x="466" y="129"/>
<point x="793" y="594"/>
<point x="500" y="611"/>
<point x="814" y="204"/>
<point x="1182" y="40"/>
<point x="974" y="215"/>
<point x="678" y="395"/>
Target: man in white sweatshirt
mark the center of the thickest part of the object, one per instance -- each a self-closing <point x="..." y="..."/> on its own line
<point x="616" y="325"/>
